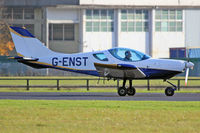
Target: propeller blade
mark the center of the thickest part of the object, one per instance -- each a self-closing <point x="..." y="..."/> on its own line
<point x="186" y="76"/>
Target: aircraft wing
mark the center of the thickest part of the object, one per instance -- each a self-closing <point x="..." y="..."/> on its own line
<point x="119" y="71"/>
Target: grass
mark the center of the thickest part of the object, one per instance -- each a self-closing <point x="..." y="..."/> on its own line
<point x="21" y="116"/>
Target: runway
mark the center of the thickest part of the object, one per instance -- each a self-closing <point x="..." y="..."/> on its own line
<point x="98" y="96"/>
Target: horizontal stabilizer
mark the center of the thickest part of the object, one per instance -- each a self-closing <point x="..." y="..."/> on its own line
<point x="19" y="58"/>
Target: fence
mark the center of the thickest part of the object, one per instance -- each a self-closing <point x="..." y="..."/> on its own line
<point x="87" y="84"/>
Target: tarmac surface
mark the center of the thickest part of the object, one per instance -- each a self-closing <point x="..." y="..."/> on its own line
<point x="98" y="96"/>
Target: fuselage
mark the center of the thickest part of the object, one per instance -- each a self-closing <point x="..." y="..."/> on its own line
<point x="84" y="63"/>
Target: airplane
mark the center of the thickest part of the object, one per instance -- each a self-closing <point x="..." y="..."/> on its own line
<point x="115" y="63"/>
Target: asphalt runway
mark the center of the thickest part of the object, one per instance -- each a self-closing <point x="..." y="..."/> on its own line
<point x="98" y="96"/>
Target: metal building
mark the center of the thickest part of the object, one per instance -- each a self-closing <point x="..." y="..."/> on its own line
<point x="70" y="26"/>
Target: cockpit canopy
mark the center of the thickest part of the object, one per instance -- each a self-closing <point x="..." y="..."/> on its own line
<point x="126" y="54"/>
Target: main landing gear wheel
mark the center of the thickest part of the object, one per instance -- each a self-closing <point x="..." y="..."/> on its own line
<point x="131" y="91"/>
<point x="122" y="91"/>
<point x="169" y="91"/>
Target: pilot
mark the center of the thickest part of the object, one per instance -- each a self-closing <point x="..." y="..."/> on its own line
<point x="128" y="56"/>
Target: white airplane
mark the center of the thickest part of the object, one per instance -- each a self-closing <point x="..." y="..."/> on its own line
<point x="115" y="63"/>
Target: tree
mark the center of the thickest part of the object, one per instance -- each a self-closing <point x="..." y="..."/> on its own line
<point x="6" y="44"/>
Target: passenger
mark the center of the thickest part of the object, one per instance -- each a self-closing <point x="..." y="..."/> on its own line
<point x="128" y="56"/>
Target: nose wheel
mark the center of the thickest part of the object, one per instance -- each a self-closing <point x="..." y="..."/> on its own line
<point x="122" y="91"/>
<point x="169" y="91"/>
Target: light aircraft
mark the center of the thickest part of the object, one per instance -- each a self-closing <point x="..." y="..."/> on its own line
<point x="115" y="63"/>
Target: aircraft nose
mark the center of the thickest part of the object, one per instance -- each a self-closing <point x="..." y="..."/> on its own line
<point x="189" y="65"/>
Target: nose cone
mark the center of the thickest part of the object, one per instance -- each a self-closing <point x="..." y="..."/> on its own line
<point x="189" y="65"/>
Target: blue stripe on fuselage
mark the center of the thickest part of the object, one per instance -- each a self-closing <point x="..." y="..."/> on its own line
<point x="158" y="74"/>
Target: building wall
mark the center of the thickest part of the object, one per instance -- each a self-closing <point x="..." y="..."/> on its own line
<point x="64" y="16"/>
<point x="192" y="28"/>
<point x="37" y="22"/>
<point x="155" y="43"/>
<point x="137" y="41"/>
<point x="66" y="46"/>
<point x="160" y="42"/>
<point x="163" y="40"/>
<point x="97" y="40"/>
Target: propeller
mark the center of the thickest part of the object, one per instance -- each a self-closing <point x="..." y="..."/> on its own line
<point x="188" y="65"/>
<point x="186" y="76"/>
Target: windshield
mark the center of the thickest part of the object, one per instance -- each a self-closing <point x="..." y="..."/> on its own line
<point x="126" y="54"/>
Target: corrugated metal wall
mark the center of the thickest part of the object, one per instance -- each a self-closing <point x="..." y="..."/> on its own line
<point x="194" y="53"/>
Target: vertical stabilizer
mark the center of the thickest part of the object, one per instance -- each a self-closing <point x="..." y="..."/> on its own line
<point x="27" y="45"/>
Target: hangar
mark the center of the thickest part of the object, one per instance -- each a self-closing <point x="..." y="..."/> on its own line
<point x="70" y="26"/>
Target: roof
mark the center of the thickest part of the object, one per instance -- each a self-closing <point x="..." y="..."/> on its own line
<point x="37" y="3"/>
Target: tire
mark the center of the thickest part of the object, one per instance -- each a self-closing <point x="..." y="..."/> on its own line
<point x="169" y="91"/>
<point x="131" y="91"/>
<point x="122" y="91"/>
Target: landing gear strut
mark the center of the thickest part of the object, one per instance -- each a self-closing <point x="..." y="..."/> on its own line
<point x="169" y="91"/>
<point x="122" y="91"/>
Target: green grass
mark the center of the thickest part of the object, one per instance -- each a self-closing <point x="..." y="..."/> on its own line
<point x="22" y="116"/>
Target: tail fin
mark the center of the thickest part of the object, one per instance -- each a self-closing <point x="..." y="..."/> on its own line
<point x="27" y="45"/>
